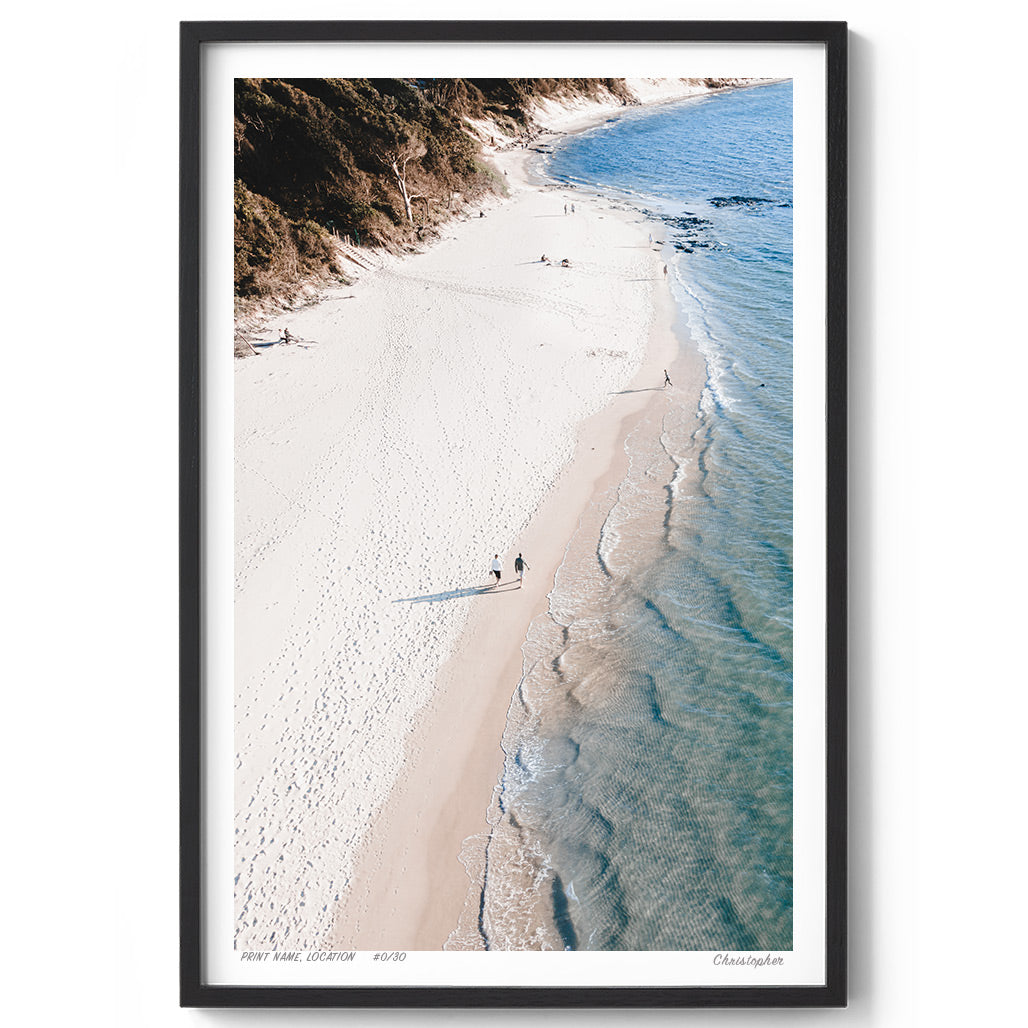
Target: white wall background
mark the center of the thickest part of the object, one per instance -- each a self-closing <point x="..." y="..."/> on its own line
<point x="88" y="906"/>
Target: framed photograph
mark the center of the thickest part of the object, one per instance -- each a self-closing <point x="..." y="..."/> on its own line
<point x="513" y="499"/>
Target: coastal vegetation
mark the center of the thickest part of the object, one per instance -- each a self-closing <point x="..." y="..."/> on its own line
<point x="375" y="162"/>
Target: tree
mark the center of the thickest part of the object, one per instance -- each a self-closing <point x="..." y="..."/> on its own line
<point x="398" y="157"/>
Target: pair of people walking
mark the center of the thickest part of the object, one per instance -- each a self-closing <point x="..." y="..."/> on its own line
<point x="519" y="566"/>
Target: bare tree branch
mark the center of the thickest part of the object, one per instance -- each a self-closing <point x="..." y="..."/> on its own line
<point x="398" y="157"/>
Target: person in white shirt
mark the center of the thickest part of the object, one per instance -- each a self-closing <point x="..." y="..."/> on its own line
<point x="497" y="567"/>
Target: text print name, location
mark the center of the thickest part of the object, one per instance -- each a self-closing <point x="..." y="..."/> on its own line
<point x="297" y="957"/>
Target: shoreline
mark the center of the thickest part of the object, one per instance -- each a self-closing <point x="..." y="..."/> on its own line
<point x="440" y="805"/>
<point x="374" y="669"/>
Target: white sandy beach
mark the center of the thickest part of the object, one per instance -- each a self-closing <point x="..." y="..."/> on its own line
<point x="465" y="401"/>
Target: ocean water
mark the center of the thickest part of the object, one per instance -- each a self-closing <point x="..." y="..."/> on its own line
<point x="646" y="800"/>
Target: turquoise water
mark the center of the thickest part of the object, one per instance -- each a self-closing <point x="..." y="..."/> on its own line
<point x="646" y="802"/>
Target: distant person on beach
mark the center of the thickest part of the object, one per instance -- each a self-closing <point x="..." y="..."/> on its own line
<point x="286" y="336"/>
<point x="565" y="263"/>
<point x="572" y="208"/>
<point x="520" y="567"/>
<point x="665" y="271"/>
<point x="497" y="567"/>
<point x="565" y="208"/>
<point x="667" y="381"/>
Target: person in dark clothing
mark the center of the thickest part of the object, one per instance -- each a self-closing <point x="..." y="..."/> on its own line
<point x="521" y="567"/>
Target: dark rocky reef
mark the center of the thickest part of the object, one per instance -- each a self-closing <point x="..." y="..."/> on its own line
<point x="738" y="201"/>
<point x="692" y="232"/>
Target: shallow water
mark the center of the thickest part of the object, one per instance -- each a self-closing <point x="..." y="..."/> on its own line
<point x="646" y="800"/>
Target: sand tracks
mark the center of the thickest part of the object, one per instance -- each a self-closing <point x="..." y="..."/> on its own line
<point x="391" y="461"/>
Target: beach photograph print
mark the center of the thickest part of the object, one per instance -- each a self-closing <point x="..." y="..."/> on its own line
<point x="513" y="516"/>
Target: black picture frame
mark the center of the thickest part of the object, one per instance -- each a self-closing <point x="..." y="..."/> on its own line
<point x="194" y="991"/>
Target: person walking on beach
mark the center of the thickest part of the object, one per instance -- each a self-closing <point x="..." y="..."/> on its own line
<point x="572" y="208"/>
<point x="521" y="567"/>
<point x="565" y="208"/>
<point x="667" y="381"/>
<point x="665" y="271"/>
<point x="497" y="567"/>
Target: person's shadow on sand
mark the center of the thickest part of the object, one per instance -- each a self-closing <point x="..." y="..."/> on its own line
<point x="304" y="344"/>
<point x="457" y="594"/>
